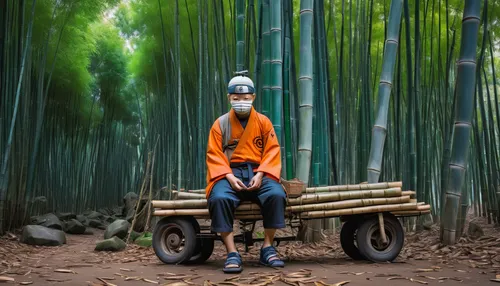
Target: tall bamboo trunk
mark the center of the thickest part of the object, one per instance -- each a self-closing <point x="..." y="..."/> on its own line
<point x="179" y="96"/>
<point x="240" y="35"/>
<point x="461" y="130"/>
<point x="306" y="104"/>
<point x="276" y="68"/>
<point x="385" y="84"/>
<point x="3" y="171"/>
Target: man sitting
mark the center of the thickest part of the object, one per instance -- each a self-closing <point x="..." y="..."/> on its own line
<point x="244" y="164"/>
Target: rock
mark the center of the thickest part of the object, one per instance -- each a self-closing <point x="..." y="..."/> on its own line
<point x="66" y="216"/>
<point x="475" y="230"/>
<point x="82" y="219"/>
<point x="41" y="235"/>
<point x="118" y="228"/>
<point x="74" y="227"/>
<point x="129" y="201"/>
<point x="95" y="215"/>
<point x="88" y="232"/>
<point x="130" y="215"/>
<point x="109" y="219"/>
<point x="111" y="244"/>
<point x="48" y="220"/>
<point x="145" y="240"/>
<point x="427" y="221"/>
<point x="96" y="224"/>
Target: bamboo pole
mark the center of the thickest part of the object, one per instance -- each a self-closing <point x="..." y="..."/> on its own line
<point x="362" y="210"/>
<point x="375" y="186"/>
<point x="251" y="207"/>
<point x="304" y="199"/>
<point x="348" y="204"/>
<point x="345" y="195"/>
<point x="204" y="213"/>
<point x="364" y="186"/>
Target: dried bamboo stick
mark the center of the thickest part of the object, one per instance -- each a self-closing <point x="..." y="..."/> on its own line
<point x="349" y="204"/>
<point x="374" y="186"/>
<point x="176" y="195"/>
<point x="250" y="207"/>
<point x="424" y="207"/>
<point x="344" y="195"/>
<point x="310" y="214"/>
<point x="361" y="210"/>
<point x="195" y="196"/>
<point x="303" y="200"/>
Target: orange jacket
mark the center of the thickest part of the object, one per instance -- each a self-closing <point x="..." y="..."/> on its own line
<point x="258" y="144"/>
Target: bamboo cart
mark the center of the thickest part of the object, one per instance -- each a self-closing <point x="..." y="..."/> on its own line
<point x="371" y="229"/>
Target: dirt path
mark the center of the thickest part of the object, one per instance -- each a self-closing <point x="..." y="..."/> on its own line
<point x="421" y="260"/>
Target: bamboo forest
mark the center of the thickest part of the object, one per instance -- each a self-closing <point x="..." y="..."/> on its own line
<point x="107" y="106"/>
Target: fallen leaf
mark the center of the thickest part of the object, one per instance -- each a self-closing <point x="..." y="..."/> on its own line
<point x="423" y="270"/>
<point x="127" y="270"/>
<point x="26" y="283"/>
<point x="106" y="283"/>
<point x="65" y="271"/>
<point x="232" y="278"/>
<point x="57" y="280"/>
<point x="79" y="265"/>
<point x="6" y="279"/>
<point x="387" y="275"/>
<point x="149" y="281"/>
<point x="177" y="277"/>
<point x="321" y="283"/>
<point x="418" y="281"/>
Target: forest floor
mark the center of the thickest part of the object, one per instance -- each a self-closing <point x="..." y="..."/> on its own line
<point x="423" y="261"/>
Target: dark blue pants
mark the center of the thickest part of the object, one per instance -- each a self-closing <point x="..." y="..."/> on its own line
<point x="223" y="201"/>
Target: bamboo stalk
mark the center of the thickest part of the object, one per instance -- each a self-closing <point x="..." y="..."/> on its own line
<point x="346" y="195"/>
<point x="457" y="165"/>
<point x="362" y="210"/>
<point x="306" y="198"/>
<point x="171" y="205"/>
<point x="204" y="213"/>
<point x="375" y="186"/>
<point x="348" y="204"/>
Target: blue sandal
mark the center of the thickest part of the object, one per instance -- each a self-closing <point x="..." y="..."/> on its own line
<point x="266" y="254"/>
<point x="233" y="258"/>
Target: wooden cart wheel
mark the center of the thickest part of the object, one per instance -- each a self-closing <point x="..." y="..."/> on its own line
<point x="370" y="242"/>
<point x="204" y="249"/>
<point x="348" y="239"/>
<point x="174" y="240"/>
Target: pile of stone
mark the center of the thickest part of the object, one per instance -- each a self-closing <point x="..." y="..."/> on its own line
<point x="50" y="229"/>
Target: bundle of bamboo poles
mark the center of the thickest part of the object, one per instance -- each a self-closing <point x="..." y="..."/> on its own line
<point x="316" y="202"/>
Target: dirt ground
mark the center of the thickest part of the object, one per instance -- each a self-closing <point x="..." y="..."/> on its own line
<point x="423" y="261"/>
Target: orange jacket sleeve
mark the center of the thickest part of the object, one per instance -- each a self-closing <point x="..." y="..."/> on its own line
<point x="270" y="163"/>
<point x="217" y="163"/>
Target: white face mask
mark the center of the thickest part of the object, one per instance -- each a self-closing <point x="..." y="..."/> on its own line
<point x="241" y="106"/>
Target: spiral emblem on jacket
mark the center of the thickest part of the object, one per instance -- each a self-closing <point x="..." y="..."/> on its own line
<point x="258" y="142"/>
